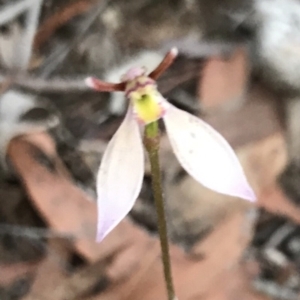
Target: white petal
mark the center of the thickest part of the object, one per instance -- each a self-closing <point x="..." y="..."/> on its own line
<point x="120" y="176"/>
<point x="206" y="155"/>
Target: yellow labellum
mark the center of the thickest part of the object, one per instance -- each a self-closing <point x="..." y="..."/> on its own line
<point x="147" y="108"/>
<point x="145" y="99"/>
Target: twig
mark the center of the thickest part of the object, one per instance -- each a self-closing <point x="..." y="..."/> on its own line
<point x="193" y="48"/>
<point x="279" y="235"/>
<point x="11" y="11"/>
<point x="23" y="51"/>
<point x="57" y="57"/>
<point x="64" y="84"/>
<point x="59" y="19"/>
<point x="23" y="48"/>
<point x="52" y="85"/>
<point x="31" y="232"/>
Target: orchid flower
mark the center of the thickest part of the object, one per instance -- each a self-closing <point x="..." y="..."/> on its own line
<point x="199" y="148"/>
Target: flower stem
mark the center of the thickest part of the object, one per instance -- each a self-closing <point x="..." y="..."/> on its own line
<point x="151" y="141"/>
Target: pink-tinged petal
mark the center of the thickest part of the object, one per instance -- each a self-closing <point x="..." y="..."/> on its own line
<point x="206" y="155"/>
<point x="120" y="176"/>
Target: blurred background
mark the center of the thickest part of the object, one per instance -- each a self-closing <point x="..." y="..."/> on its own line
<point x="238" y="69"/>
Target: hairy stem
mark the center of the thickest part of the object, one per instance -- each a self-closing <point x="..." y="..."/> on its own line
<point x="151" y="141"/>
